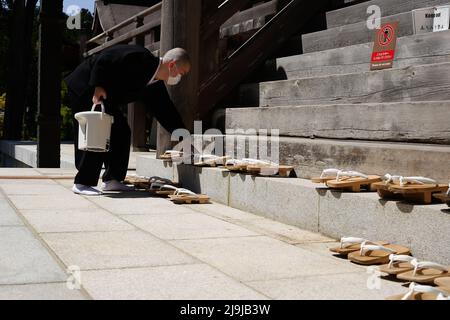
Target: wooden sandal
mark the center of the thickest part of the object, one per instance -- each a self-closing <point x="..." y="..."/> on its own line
<point x="420" y="292"/>
<point x="327" y="175"/>
<point x="383" y="190"/>
<point x="444" y="197"/>
<point x="424" y="272"/>
<point x="184" y="196"/>
<point x="398" y="264"/>
<point x="242" y="165"/>
<point x="164" y="190"/>
<point x="138" y="182"/>
<point x="443" y="282"/>
<point x="270" y="170"/>
<point x="351" y="244"/>
<point x="418" y="189"/>
<point x="374" y="254"/>
<point x="353" y="181"/>
<point x="211" y="161"/>
<point x="172" y="155"/>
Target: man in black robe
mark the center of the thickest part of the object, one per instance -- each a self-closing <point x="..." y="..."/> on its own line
<point x="120" y="75"/>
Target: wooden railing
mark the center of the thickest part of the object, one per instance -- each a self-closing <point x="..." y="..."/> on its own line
<point x="141" y="30"/>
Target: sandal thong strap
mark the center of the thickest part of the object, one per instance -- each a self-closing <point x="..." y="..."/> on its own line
<point x="345" y="241"/>
<point x="427" y="265"/>
<point x="416" y="288"/>
<point x="416" y="180"/>
<point x="448" y="192"/>
<point x="391" y="179"/>
<point x="395" y="259"/>
<point x="350" y="174"/>
<point x="368" y="247"/>
<point x="330" y="173"/>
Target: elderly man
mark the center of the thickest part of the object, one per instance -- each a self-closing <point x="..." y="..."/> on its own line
<point x="120" y="75"/>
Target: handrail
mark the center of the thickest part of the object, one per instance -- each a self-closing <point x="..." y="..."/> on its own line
<point x="140" y="15"/>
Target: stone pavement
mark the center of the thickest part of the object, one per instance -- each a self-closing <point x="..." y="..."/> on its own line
<point x="132" y="246"/>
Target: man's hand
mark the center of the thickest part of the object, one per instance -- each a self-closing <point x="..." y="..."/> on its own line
<point x="99" y="95"/>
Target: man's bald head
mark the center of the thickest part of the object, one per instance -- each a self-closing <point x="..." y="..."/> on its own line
<point x="179" y="56"/>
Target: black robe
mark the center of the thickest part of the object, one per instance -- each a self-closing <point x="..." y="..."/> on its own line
<point x="124" y="71"/>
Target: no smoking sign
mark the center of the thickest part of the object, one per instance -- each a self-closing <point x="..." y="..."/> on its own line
<point x="384" y="47"/>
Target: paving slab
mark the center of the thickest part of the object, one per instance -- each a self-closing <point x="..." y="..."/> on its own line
<point x="28" y="182"/>
<point x="34" y="189"/>
<point x="224" y="212"/>
<point x="8" y="217"/>
<point x="283" y="232"/>
<point x="141" y="204"/>
<point x="50" y="202"/>
<point x="348" y="286"/>
<point x="25" y="260"/>
<point x="74" y="220"/>
<point x="188" y="226"/>
<point x="45" y="291"/>
<point x="187" y="282"/>
<point x="11" y="172"/>
<point x="118" y="249"/>
<point x="261" y="258"/>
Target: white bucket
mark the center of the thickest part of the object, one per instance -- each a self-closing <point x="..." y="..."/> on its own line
<point x="95" y="130"/>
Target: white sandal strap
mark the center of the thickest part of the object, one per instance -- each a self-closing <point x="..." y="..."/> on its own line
<point x="345" y="241"/>
<point x="415" y="288"/>
<point x="391" y="179"/>
<point x="394" y="258"/>
<point x="448" y="192"/>
<point x="181" y="192"/>
<point x="250" y="161"/>
<point x="367" y="247"/>
<point x="427" y="265"/>
<point x="416" y="180"/>
<point x="330" y="173"/>
<point x="350" y="174"/>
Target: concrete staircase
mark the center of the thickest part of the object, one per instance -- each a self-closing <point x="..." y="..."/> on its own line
<point x="332" y="112"/>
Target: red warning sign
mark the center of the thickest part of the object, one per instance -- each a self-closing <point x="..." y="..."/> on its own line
<point x="384" y="47"/>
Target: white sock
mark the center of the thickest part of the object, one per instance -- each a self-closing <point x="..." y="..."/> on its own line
<point x="85" y="190"/>
<point x="115" y="185"/>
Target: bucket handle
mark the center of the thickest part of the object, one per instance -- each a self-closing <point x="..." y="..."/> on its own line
<point x="102" y="105"/>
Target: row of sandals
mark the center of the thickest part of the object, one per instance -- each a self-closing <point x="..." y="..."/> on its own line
<point x="414" y="189"/>
<point x="429" y="281"/>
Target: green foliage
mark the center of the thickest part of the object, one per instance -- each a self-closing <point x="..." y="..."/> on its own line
<point x="66" y="116"/>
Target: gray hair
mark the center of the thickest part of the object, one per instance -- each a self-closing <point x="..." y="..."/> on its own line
<point x="178" y="55"/>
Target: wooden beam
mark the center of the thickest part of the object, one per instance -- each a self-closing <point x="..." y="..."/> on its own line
<point x="212" y="24"/>
<point x="127" y="36"/>
<point x="180" y="27"/>
<point x="127" y="22"/>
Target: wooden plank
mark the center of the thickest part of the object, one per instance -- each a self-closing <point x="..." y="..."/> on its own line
<point x="211" y="24"/>
<point x="128" y="21"/>
<point x="418" y="83"/>
<point x="411" y="50"/>
<point x="260" y="11"/>
<point x="375" y="122"/>
<point x="255" y="51"/>
<point x="127" y="37"/>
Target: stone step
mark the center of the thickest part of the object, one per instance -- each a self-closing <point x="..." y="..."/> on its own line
<point x="411" y="50"/>
<point x="358" y="12"/>
<point x="417" y="83"/>
<point x="311" y="156"/>
<point x="356" y="33"/>
<point x="376" y="122"/>
<point x="305" y="205"/>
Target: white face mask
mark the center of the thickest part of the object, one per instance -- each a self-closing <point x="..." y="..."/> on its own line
<point x="172" y="81"/>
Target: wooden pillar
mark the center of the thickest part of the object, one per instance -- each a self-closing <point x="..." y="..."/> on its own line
<point x="137" y="110"/>
<point x="180" y="27"/>
<point x="16" y="86"/>
<point x="49" y="84"/>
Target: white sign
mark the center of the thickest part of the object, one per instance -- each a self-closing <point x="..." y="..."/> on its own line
<point x="432" y="19"/>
